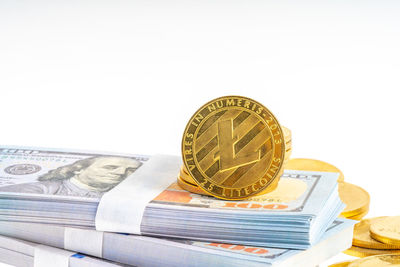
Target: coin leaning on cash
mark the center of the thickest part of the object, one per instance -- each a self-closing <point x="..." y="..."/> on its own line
<point x="187" y="182"/>
<point x="233" y="148"/>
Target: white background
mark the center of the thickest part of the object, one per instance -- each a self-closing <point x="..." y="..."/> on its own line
<point x="126" y="76"/>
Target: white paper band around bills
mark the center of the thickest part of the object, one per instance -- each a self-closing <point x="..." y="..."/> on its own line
<point x="49" y="257"/>
<point x="85" y="241"/>
<point x="121" y="209"/>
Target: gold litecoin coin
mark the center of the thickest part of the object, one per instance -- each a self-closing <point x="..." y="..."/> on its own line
<point x="387" y="230"/>
<point x="356" y="199"/>
<point x="341" y="264"/>
<point x="233" y="147"/>
<point x="366" y="252"/>
<point x="377" y="261"/>
<point x="313" y="165"/>
<point x="362" y="237"/>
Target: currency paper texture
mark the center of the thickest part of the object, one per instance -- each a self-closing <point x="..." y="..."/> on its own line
<point x="150" y="251"/>
<point x="135" y="194"/>
<point x="64" y="175"/>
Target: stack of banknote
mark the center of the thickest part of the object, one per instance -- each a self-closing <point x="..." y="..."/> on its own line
<point x="45" y="193"/>
<point x="23" y="253"/>
<point x="148" y="251"/>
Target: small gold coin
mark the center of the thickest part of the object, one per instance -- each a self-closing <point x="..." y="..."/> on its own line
<point x="190" y="187"/>
<point x="377" y="261"/>
<point x="387" y="230"/>
<point x="357" y="217"/>
<point x="301" y="164"/>
<point x="362" y="237"/>
<point x="366" y="252"/>
<point x="341" y="264"/>
<point x="233" y="147"/>
<point x="356" y="199"/>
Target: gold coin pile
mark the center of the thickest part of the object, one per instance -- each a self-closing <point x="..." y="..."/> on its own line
<point x="371" y="261"/>
<point x="233" y="148"/>
<point x="357" y="200"/>
<point x="376" y="236"/>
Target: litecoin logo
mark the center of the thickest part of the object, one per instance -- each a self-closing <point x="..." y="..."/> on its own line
<point x="22" y="169"/>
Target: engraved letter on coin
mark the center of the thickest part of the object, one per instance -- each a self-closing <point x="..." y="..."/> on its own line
<point x="226" y="142"/>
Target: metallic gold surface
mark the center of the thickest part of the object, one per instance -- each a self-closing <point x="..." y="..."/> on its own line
<point x="233" y="147"/>
<point x="386" y="230"/>
<point x="185" y="174"/>
<point x="302" y="164"/>
<point x="366" y="252"/>
<point x="287" y="134"/>
<point x="195" y="189"/>
<point x="341" y="264"/>
<point x="188" y="186"/>
<point x="362" y="237"/>
<point x="356" y="199"/>
<point x="377" y="261"/>
<point x="357" y="217"/>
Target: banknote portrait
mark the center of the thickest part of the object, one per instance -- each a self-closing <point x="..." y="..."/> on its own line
<point x="90" y="177"/>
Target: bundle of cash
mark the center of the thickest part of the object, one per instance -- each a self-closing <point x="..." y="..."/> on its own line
<point x="148" y="251"/>
<point x="28" y="254"/>
<point x="65" y="188"/>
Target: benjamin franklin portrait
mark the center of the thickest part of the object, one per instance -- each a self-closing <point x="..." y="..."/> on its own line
<point x="90" y="177"/>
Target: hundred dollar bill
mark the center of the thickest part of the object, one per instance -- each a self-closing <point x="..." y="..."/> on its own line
<point x="23" y="253"/>
<point x="293" y="194"/>
<point x="67" y="175"/>
<point x="149" y="251"/>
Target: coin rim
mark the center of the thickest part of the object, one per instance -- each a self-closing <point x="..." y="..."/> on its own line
<point x="358" y="210"/>
<point x="363" y="252"/>
<point x="383" y="238"/>
<point x="365" y="244"/>
<point x="359" y="262"/>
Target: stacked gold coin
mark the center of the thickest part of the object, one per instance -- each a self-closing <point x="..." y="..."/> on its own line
<point x="357" y="200"/>
<point x="376" y="236"/>
<point x="233" y="148"/>
<point x="187" y="182"/>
